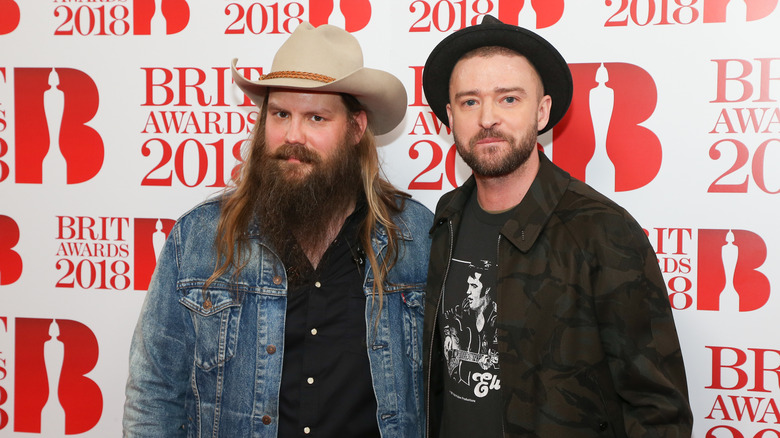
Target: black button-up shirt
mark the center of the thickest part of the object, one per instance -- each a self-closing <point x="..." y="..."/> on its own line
<point x="326" y="388"/>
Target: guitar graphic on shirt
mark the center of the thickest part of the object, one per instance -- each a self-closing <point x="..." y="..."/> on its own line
<point x="485" y="360"/>
<point x="455" y="356"/>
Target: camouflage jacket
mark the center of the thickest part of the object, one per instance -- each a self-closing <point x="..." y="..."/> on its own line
<point x="587" y="341"/>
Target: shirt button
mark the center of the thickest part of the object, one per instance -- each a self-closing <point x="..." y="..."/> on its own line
<point x="306" y="430"/>
<point x="317" y="284"/>
<point x="314" y="332"/>
<point x="310" y="380"/>
<point x="266" y="420"/>
<point x="277" y="280"/>
<point x="271" y="349"/>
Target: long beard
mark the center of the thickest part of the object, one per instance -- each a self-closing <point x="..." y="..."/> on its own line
<point x="296" y="210"/>
<point x="495" y="165"/>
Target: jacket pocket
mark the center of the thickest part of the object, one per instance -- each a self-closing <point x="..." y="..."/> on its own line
<point x="215" y="315"/>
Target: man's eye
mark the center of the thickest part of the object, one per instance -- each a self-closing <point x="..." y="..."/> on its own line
<point x="317" y="118"/>
<point x="470" y="102"/>
<point x="510" y="99"/>
<point x="281" y="114"/>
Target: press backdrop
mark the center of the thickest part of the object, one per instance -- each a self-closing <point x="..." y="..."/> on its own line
<point x="117" y="116"/>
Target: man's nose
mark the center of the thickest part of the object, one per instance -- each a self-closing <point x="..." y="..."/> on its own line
<point x="295" y="133"/>
<point x="488" y="116"/>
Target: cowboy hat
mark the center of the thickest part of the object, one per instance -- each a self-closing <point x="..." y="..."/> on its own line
<point x="552" y="68"/>
<point x="329" y="59"/>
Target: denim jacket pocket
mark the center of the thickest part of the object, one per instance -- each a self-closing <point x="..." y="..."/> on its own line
<point x="215" y="315"/>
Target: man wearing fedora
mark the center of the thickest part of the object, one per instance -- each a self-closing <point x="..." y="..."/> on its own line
<point x="585" y="335"/>
<point x="292" y="305"/>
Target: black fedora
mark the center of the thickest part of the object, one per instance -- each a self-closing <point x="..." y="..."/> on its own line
<point x="552" y="68"/>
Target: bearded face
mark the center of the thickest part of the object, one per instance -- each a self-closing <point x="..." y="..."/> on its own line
<point x="304" y="202"/>
<point x="309" y="173"/>
<point x="497" y="106"/>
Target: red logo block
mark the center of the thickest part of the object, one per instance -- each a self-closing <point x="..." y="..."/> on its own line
<point x="634" y="151"/>
<point x="174" y="14"/>
<point x="9" y="16"/>
<point x="10" y="260"/>
<point x="717" y="11"/>
<point x="52" y="109"/>
<point x="547" y="12"/>
<point x="150" y="235"/>
<point x="356" y="13"/>
<point x="51" y="387"/>
<point x="729" y="261"/>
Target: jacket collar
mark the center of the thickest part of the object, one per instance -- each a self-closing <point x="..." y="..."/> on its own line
<point x="530" y="216"/>
<point x="453" y="203"/>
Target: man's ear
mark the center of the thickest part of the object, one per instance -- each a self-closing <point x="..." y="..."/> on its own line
<point x="362" y="121"/>
<point x="543" y="113"/>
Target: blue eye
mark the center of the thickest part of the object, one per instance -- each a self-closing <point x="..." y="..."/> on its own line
<point x="510" y="99"/>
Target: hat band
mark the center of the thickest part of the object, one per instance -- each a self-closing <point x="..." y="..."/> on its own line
<point x="298" y="75"/>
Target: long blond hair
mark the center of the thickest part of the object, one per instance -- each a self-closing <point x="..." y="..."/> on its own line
<point x="238" y="203"/>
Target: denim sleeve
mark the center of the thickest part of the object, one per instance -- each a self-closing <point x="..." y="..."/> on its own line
<point x="161" y="356"/>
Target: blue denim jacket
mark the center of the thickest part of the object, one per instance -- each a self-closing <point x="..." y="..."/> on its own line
<point x="209" y="365"/>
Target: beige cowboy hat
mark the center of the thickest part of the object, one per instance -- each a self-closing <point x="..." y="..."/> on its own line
<point x="327" y="58"/>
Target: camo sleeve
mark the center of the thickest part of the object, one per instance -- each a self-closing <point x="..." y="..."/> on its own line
<point x="638" y="332"/>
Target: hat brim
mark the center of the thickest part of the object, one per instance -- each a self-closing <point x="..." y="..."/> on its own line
<point x="381" y="94"/>
<point x="552" y="68"/>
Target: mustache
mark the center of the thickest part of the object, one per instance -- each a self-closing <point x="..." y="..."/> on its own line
<point x="490" y="133"/>
<point x="298" y="152"/>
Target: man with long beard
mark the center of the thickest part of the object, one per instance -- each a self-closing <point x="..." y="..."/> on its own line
<point x="292" y="304"/>
<point x="585" y="336"/>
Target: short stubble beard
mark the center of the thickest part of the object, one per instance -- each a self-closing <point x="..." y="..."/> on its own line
<point x="489" y="164"/>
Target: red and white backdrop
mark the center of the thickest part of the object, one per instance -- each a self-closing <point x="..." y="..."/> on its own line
<point x="117" y="116"/>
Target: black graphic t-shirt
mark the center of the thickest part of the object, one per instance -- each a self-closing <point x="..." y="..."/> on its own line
<point x="467" y="324"/>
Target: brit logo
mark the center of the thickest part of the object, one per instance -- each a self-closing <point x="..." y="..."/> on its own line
<point x="601" y="140"/>
<point x="191" y="114"/>
<point x="54" y="144"/>
<point x="159" y="17"/>
<point x="352" y="15"/>
<point x="746" y="126"/>
<point x="712" y="269"/>
<point x="533" y="14"/>
<point x="728" y="271"/>
<point x="743" y="389"/>
<point x="10" y="260"/>
<point x="721" y="11"/>
<point x="95" y="252"/>
<point x="150" y="235"/>
<point x="9" y="16"/>
<point x="52" y="394"/>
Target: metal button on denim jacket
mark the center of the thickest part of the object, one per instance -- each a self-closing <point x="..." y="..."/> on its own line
<point x="209" y="363"/>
